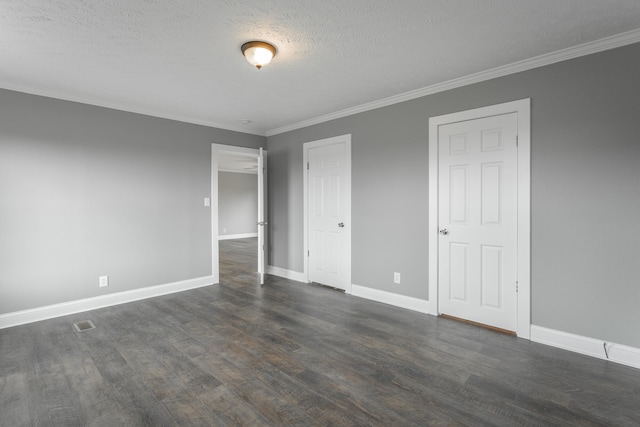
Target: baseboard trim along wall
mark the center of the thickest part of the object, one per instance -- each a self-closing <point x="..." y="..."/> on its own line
<point x="397" y="300"/>
<point x="384" y="297"/>
<point x="287" y="274"/>
<point x="63" y="309"/>
<point x="618" y="353"/>
<point x="237" y="236"/>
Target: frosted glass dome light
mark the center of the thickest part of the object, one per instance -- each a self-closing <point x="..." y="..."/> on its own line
<point x="257" y="53"/>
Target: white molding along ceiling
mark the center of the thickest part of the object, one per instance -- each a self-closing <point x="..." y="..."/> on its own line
<point x="182" y="60"/>
<point x="527" y="64"/>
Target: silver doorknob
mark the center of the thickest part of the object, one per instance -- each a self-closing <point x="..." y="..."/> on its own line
<point x="261" y="223"/>
<point x="444" y="231"/>
<point x="341" y="224"/>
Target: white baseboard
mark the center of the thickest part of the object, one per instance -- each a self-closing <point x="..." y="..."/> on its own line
<point x="287" y="274"/>
<point x="50" y="311"/>
<point x="237" y="236"/>
<point x="397" y="300"/>
<point x="618" y="353"/>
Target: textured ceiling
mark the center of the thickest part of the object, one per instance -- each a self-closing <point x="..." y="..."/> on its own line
<point x="182" y="60"/>
<point x="235" y="162"/>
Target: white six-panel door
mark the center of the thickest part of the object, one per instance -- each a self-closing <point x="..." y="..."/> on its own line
<point x="477" y="241"/>
<point x="328" y="216"/>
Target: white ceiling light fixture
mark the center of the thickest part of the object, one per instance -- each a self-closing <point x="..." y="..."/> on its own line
<point x="258" y="53"/>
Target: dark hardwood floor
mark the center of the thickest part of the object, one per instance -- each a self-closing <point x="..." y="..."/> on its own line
<point x="294" y="354"/>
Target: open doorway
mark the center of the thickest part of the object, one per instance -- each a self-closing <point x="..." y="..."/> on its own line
<point x="237" y="212"/>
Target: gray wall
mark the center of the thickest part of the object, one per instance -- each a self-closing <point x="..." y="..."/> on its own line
<point x="237" y="203"/>
<point x="87" y="191"/>
<point x="585" y="191"/>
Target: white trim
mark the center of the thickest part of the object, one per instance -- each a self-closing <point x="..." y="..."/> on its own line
<point x="410" y="303"/>
<point x="215" y="150"/>
<point x="589" y="48"/>
<point x="305" y="210"/>
<point x="120" y="106"/>
<point x="237" y="236"/>
<point x="618" y="353"/>
<point x="524" y="218"/>
<point x="63" y="309"/>
<point x="523" y="109"/>
<point x="287" y="274"/>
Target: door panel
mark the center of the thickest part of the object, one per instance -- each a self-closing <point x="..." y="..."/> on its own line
<point x="491" y="280"/>
<point x="478" y="207"/>
<point x="459" y="191"/>
<point x="458" y="271"/>
<point x="491" y="178"/>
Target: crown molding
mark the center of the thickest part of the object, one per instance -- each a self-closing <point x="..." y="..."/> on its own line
<point x="589" y="48"/>
<point x="120" y="106"/>
<point x="607" y="43"/>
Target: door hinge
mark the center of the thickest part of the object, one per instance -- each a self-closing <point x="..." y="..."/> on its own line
<point x="517" y="140"/>
<point x="307" y="165"/>
<point x="308" y="255"/>
<point x="516" y="286"/>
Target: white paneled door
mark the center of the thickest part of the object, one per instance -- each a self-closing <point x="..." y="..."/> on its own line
<point x="477" y="241"/>
<point x="262" y="223"/>
<point x="328" y="214"/>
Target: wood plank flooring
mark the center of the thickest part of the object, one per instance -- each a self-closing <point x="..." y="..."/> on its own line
<point x="294" y="354"/>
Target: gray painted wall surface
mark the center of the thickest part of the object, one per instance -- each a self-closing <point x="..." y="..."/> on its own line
<point x="585" y="191"/>
<point x="87" y="191"/>
<point x="237" y="203"/>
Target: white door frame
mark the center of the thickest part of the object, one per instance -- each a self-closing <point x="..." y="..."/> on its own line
<point x="523" y="109"/>
<point x="305" y="183"/>
<point x="215" y="150"/>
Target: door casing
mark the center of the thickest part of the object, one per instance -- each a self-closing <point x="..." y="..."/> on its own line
<point x="215" y="248"/>
<point x="346" y="139"/>
<point x="523" y="109"/>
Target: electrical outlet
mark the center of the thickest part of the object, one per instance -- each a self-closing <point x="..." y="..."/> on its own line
<point x="207" y="201"/>
<point x="224" y="230"/>
<point x="396" y="278"/>
<point x="103" y="281"/>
